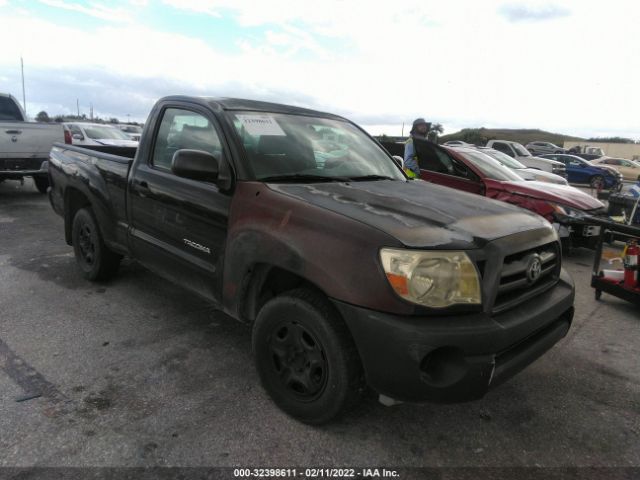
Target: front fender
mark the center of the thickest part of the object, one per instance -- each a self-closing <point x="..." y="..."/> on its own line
<point x="338" y="255"/>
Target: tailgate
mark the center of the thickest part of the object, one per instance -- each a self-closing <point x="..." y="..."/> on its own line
<point x="28" y="139"/>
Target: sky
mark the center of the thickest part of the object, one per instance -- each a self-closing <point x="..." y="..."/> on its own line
<point x="567" y="66"/>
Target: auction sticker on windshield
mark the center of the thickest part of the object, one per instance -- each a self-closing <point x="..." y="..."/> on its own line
<point x="260" y="125"/>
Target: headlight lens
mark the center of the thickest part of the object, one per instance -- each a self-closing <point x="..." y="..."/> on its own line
<point x="563" y="210"/>
<point x="435" y="279"/>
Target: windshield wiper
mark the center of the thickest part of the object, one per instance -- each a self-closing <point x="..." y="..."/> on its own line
<point x="303" y="178"/>
<point x="364" y="178"/>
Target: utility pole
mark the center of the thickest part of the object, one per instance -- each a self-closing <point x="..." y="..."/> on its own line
<point x="128" y="118"/>
<point x="24" y="98"/>
<point x="78" y="106"/>
<point x="402" y="130"/>
<point x="91" y="111"/>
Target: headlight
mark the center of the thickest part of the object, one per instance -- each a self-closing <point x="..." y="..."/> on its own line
<point x="563" y="210"/>
<point x="435" y="279"/>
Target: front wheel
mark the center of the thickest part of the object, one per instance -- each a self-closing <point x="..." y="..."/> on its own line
<point x="94" y="258"/>
<point x="42" y="184"/>
<point x="305" y="357"/>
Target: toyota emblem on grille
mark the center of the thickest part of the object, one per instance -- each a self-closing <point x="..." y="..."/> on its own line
<point x="534" y="269"/>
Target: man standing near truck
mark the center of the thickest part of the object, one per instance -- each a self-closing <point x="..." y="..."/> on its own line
<point x="419" y="129"/>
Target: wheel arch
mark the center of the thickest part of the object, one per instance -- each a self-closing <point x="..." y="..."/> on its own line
<point x="74" y="200"/>
<point x="264" y="281"/>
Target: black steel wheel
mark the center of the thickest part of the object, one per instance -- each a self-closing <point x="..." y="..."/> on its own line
<point x="95" y="260"/>
<point x="305" y="357"/>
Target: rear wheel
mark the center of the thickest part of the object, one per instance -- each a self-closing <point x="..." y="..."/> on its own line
<point x="305" y="357"/>
<point x="42" y="184"/>
<point x="94" y="258"/>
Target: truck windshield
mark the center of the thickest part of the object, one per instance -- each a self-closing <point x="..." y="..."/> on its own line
<point x="520" y="150"/>
<point x="300" y="148"/>
<point x="9" y="110"/>
<point x="101" y="133"/>
<point x="504" y="159"/>
<point x="489" y="167"/>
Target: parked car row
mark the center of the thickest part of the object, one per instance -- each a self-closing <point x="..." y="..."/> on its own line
<point x="520" y="153"/>
<point x="475" y="170"/>
<point x="581" y="165"/>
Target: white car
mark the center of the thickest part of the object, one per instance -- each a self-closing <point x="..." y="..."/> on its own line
<point x="517" y="151"/>
<point x="134" y="131"/>
<point x="522" y="170"/>
<point x="98" y="134"/>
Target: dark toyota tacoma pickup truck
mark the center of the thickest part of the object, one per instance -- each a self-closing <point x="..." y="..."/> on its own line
<point x="300" y="224"/>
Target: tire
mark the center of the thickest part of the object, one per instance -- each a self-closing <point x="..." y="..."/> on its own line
<point x="95" y="260"/>
<point x="42" y="184"/>
<point x="306" y="357"/>
<point x="597" y="181"/>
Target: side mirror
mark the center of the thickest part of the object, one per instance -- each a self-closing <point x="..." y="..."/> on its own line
<point x="399" y="160"/>
<point x="77" y="136"/>
<point x="195" y="164"/>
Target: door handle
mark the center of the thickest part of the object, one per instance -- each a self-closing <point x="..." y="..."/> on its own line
<point x="13" y="132"/>
<point x="143" y="188"/>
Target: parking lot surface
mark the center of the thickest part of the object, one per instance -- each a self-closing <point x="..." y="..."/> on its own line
<point x="138" y="372"/>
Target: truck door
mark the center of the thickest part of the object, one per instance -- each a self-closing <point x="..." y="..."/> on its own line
<point x="178" y="225"/>
<point x="437" y="166"/>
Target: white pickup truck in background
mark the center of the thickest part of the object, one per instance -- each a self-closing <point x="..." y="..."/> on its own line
<point x="24" y="145"/>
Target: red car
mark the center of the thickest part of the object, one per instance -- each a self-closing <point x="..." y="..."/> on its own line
<point x="471" y="170"/>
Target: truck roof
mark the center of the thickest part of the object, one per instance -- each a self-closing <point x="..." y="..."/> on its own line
<point x="226" y="103"/>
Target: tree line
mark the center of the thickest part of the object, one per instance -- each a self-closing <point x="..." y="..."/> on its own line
<point x="45" y="118"/>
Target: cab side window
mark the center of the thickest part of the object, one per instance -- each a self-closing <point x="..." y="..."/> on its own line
<point x="183" y="129"/>
<point x="75" y="130"/>
<point x="501" y="147"/>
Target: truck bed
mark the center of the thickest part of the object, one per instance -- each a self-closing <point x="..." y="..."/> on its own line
<point x="95" y="175"/>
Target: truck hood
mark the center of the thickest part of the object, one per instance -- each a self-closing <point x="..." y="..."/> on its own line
<point x="419" y="214"/>
<point x="561" y="194"/>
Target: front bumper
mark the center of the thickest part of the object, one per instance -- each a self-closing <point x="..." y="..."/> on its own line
<point x="23" y="167"/>
<point x="457" y="358"/>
